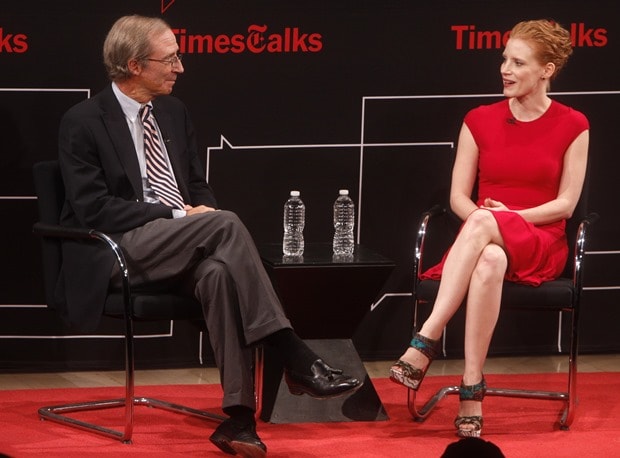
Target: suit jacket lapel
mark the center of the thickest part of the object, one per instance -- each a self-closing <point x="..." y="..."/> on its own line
<point x="114" y="120"/>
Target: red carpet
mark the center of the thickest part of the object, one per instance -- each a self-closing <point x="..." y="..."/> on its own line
<point x="521" y="428"/>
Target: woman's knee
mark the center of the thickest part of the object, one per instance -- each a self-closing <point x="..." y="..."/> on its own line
<point x="480" y="223"/>
<point x="480" y="218"/>
<point x="492" y="263"/>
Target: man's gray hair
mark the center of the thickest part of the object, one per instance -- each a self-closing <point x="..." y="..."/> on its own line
<point x="129" y="38"/>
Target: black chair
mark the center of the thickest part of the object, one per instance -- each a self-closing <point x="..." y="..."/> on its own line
<point x="125" y="304"/>
<point x="560" y="296"/>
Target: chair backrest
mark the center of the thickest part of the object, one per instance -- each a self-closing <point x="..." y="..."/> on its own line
<point x="50" y="192"/>
<point x="572" y="224"/>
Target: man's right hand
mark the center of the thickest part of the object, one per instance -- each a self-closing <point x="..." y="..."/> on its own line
<point x="197" y="210"/>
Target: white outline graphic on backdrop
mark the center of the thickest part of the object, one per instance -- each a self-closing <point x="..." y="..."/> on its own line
<point x="362" y="145"/>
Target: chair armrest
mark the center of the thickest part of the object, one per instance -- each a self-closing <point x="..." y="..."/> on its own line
<point x="436" y="210"/>
<point x="76" y="233"/>
<point x="54" y="230"/>
<point x="591" y="218"/>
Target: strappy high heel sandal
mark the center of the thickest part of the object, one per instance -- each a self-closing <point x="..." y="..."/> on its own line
<point x="404" y="373"/>
<point x="470" y="426"/>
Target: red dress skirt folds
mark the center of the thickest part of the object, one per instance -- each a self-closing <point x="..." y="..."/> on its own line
<point x="520" y="165"/>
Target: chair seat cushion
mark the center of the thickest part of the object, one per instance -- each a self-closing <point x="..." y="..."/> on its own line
<point x="552" y="295"/>
<point x="160" y="306"/>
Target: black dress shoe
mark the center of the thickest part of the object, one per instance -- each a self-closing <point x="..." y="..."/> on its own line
<point x="325" y="382"/>
<point x="238" y="440"/>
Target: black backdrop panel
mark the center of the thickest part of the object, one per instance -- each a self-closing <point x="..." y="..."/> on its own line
<point x="264" y="176"/>
<point x="28" y="133"/>
<point x="315" y="96"/>
<point x="21" y="280"/>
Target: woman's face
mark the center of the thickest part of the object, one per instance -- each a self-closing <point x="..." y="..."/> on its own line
<point x="522" y="73"/>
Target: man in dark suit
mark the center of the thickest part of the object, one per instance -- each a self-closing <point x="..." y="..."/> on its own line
<point x="106" y="162"/>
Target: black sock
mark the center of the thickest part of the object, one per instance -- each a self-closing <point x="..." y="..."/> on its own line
<point x="296" y="355"/>
<point x="241" y="416"/>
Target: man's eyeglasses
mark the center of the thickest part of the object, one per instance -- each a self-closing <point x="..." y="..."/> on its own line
<point x="176" y="60"/>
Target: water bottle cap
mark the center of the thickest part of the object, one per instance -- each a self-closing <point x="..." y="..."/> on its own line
<point x="344" y="192"/>
<point x="295" y="193"/>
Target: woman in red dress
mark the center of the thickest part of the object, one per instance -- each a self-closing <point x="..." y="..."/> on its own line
<point x="529" y="155"/>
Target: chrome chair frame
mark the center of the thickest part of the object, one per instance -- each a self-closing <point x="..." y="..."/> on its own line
<point x="569" y="397"/>
<point x="58" y="413"/>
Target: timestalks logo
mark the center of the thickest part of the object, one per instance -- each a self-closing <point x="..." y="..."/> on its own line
<point x="13" y="42"/>
<point x="257" y="40"/>
<point x="467" y="37"/>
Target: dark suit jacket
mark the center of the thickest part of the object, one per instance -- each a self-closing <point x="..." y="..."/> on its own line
<point x="103" y="190"/>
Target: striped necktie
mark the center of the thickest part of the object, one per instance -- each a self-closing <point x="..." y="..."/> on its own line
<point x="157" y="170"/>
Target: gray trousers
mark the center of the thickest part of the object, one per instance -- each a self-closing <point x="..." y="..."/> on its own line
<point x="213" y="257"/>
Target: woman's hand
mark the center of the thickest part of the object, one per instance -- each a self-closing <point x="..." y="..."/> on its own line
<point x="494" y="205"/>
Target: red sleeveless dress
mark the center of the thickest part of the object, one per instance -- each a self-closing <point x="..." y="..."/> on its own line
<point x="520" y="165"/>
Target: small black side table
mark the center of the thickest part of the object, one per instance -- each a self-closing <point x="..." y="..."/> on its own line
<point x="326" y="298"/>
<point x="323" y="296"/>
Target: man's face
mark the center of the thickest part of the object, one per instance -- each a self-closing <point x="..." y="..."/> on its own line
<point x="160" y="70"/>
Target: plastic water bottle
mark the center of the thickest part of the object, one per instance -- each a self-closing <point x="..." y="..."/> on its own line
<point x="294" y="221"/>
<point x="344" y="220"/>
